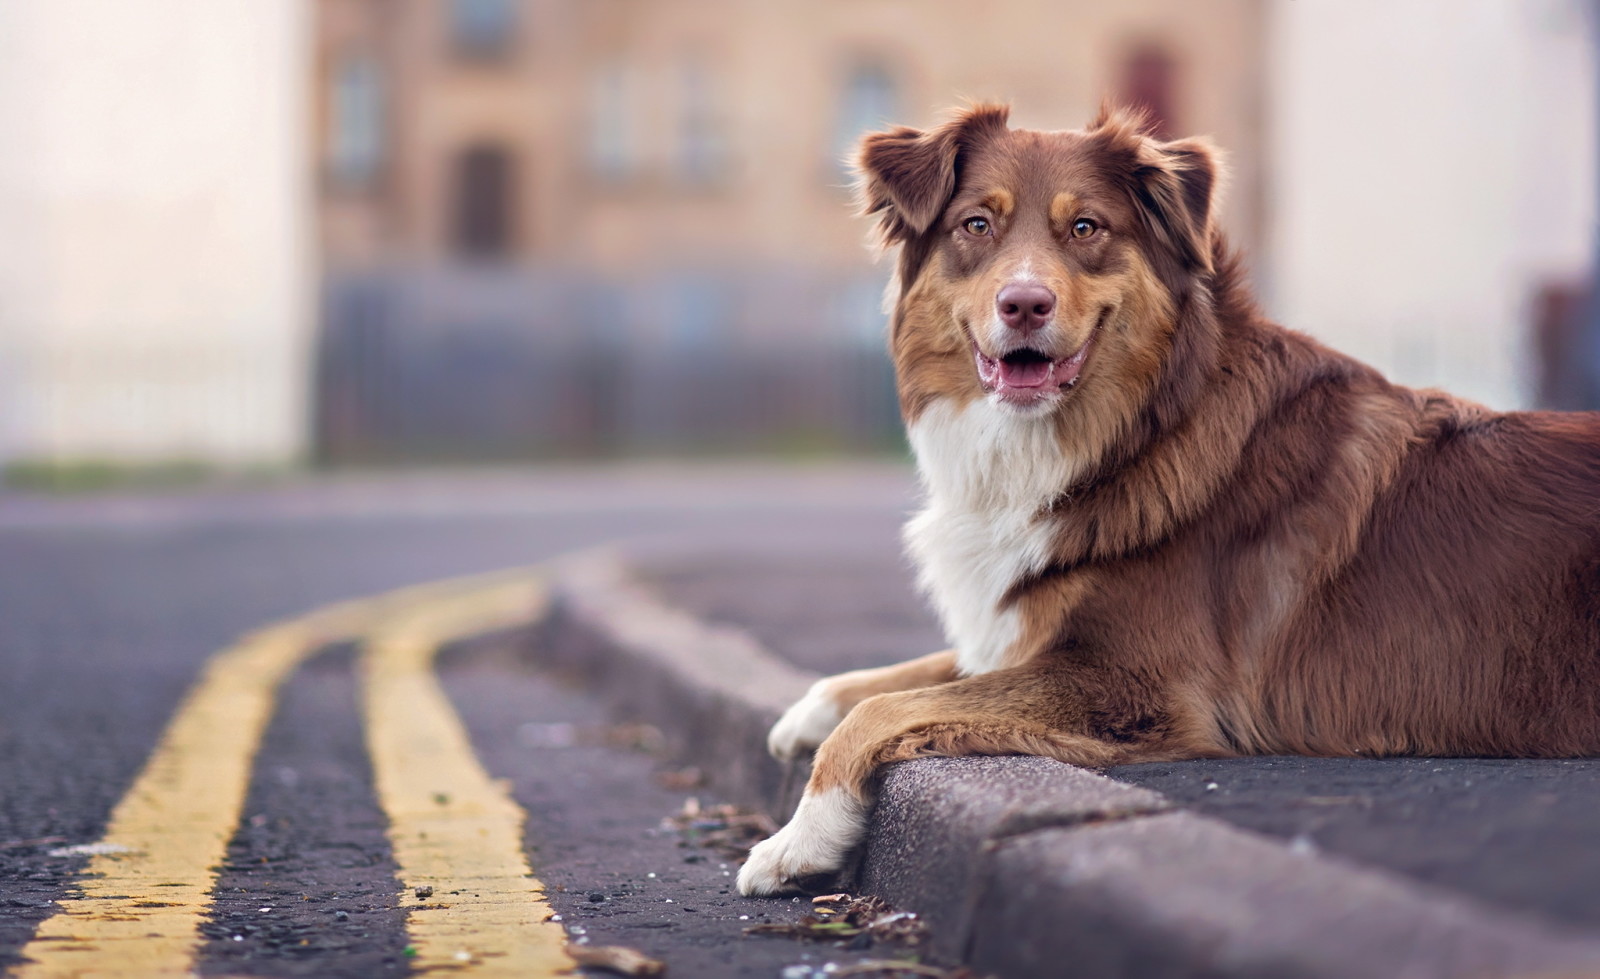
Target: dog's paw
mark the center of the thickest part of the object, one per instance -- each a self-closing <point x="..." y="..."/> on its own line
<point x="814" y="845"/>
<point x="806" y="724"/>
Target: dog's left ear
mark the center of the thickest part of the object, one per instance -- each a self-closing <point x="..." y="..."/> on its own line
<point x="1175" y="185"/>
<point x="1179" y="182"/>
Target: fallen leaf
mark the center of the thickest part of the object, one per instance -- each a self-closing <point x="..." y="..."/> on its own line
<point x="681" y="779"/>
<point x="617" y="958"/>
<point x="40" y="841"/>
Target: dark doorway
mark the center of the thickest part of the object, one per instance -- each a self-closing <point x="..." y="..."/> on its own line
<point x="1149" y="77"/>
<point x="484" y="200"/>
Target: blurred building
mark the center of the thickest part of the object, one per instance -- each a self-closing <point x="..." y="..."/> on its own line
<point x="246" y="231"/>
<point x="622" y="136"/>
<point x="554" y="225"/>
<point x="156" y="280"/>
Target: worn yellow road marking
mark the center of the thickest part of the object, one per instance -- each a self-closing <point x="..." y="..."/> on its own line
<point x="453" y="829"/>
<point x="143" y="900"/>
<point x="145" y="895"/>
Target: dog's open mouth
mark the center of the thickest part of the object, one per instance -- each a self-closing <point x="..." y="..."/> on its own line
<point x="1026" y="375"/>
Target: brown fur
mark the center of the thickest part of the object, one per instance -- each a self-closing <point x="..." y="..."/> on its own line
<point x="848" y="689"/>
<point x="1271" y="548"/>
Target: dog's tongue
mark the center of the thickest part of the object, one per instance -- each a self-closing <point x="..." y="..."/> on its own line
<point x="1026" y="374"/>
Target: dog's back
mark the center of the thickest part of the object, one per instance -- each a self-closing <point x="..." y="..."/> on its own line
<point x="1468" y="620"/>
<point x="1381" y="570"/>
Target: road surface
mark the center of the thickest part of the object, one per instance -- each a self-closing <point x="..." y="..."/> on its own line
<point x="296" y="822"/>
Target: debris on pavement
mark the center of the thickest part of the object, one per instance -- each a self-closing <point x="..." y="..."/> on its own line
<point x="90" y="850"/>
<point x="620" y="959"/>
<point x="727" y="829"/>
<point x="629" y="737"/>
<point x="875" y="969"/>
<point x="26" y="844"/>
<point x="634" y="737"/>
<point x="681" y="779"/>
<point x="856" y="921"/>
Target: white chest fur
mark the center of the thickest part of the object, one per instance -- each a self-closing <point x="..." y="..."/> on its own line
<point x="988" y="472"/>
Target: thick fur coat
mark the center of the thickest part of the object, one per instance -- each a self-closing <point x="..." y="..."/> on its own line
<point x="1158" y="526"/>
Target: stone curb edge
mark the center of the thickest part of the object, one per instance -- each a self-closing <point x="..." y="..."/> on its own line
<point x="1023" y="866"/>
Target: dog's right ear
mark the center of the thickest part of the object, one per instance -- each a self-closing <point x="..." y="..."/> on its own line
<point x="909" y="175"/>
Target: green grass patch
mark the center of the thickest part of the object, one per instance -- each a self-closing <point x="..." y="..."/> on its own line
<point x="98" y="475"/>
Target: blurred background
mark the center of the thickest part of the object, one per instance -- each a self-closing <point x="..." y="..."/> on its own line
<point x="253" y="235"/>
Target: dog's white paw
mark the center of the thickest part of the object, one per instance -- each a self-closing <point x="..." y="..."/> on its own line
<point x="806" y="724"/>
<point x="825" y="827"/>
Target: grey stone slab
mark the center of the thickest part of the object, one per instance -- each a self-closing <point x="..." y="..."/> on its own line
<point x="1517" y="833"/>
<point x="936" y="817"/>
<point x="1180" y="895"/>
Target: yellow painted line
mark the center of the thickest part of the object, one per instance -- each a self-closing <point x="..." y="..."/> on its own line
<point x="144" y="896"/>
<point x="452" y="828"/>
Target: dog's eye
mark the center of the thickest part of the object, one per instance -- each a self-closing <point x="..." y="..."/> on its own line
<point x="1083" y="228"/>
<point x="977" y="227"/>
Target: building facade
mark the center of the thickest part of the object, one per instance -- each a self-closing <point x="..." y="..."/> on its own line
<point x="625" y="136"/>
<point x="645" y="207"/>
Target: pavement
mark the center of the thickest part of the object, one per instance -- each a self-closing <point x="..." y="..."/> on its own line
<point x="687" y="607"/>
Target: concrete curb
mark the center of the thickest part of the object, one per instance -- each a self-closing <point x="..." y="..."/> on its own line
<point x="1026" y="867"/>
<point x="1050" y="864"/>
<point x="712" y="690"/>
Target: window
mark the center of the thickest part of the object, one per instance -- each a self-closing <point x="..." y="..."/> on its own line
<point x="612" y="154"/>
<point x="871" y="100"/>
<point x="702" y="148"/>
<point x="355" y="140"/>
<point x="483" y="28"/>
<point x="483" y="202"/>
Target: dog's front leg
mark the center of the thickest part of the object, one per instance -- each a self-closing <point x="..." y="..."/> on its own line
<point x="813" y="717"/>
<point x="1027" y="710"/>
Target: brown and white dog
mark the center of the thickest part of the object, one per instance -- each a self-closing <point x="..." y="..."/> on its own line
<point x="1158" y="526"/>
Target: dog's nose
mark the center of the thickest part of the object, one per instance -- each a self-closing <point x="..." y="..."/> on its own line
<point x="1025" y="306"/>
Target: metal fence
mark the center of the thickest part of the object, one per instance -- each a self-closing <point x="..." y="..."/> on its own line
<point x="484" y="363"/>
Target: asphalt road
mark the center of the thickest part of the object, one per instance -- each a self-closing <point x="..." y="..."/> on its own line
<point x="109" y="609"/>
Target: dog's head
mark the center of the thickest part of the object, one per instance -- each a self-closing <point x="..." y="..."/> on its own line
<point x="1038" y="270"/>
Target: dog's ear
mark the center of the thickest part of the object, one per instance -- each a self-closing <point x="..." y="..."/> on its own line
<point x="1181" y="181"/>
<point x="1176" y="186"/>
<point x="909" y="175"/>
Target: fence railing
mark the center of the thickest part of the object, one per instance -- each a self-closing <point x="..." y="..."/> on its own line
<point x="466" y="364"/>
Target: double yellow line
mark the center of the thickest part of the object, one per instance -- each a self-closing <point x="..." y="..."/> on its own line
<point x="148" y="886"/>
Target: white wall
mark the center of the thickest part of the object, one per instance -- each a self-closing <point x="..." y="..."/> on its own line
<point x="1430" y="164"/>
<point x="155" y="265"/>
